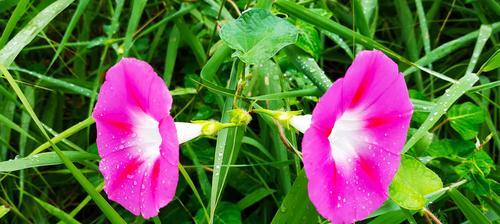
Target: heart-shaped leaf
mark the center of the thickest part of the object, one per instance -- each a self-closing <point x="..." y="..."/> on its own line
<point x="258" y="35"/>
<point x="466" y="119"/>
<point x="412" y="182"/>
<point x="309" y="39"/>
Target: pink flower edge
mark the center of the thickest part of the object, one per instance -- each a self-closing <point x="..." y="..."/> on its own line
<point x="136" y="138"/>
<point x="352" y="149"/>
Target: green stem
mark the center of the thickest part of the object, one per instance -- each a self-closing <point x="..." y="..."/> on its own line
<point x="65" y="134"/>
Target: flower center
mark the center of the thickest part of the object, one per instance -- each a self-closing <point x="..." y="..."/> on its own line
<point x="147" y="139"/>
<point x="347" y="137"/>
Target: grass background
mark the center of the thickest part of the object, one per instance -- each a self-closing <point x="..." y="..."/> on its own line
<point x="54" y="55"/>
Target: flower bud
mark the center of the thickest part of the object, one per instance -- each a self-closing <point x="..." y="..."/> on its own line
<point x="211" y="127"/>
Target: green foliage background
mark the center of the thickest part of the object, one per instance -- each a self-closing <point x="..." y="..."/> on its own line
<point x="54" y="54"/>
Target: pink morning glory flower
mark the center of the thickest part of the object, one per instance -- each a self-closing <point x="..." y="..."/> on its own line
<point x="137" y="138"/>
<point x="353" y="140"/>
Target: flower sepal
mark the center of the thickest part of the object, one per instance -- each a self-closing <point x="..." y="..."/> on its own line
<point x="283" y="117"/>
<point x="240" y="116"/>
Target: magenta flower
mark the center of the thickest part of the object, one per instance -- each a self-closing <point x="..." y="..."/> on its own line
<point x="137" y="139"/>
<point x="352" y="143"/>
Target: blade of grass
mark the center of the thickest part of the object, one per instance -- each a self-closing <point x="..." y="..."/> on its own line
<point x="9" y="52"/>
<point x="82" y="5"/>
<point x="25" y="125"/>
<point x="209" y="71"/>
<point x="360" y="19"/>
<point x="484" y="33"/>
<point x="200" y="171"/>
<point x="194" y="189"/>
<point x="453" y="93"/>
<point x="192" y="41"/>
<point x="63" y="216"/>
<point x="254" y="197"/>
<point x="407" y="33"/>
<point x="57" y="82"/>
<point x="174" y="40"/>
<point x="105" y="207"/>
<point x="296" y="207"/>
<point x="449" y="47"/>
<point x="19" y="11"/>
<point x="44" y="159"/>
<point x="133" y="22"/>
<point x="471" y="212"/>
<point x="184" y="10"/>
<point x="227" y="147"/>
<point x="334" y="27"/>
<point x="84" y="202"/>
<point x="65" y="134"/>
<point x="493" y="5"/>
<point x="309" y="67"/>
<point x="10" y="124"/>
<point x="314" y="91"/>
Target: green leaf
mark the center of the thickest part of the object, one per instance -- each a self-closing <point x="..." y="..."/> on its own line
<point x="3" y="210"/>
<point x="226" y="213"/>
<point x="466" y="119"/>
<point x="478" y="163"/>
<point x="296" y="207"/>
<point x="308" y="40"/>
<point x="471" y="212"/>
<point x="451" y="148"/>
<point x="412" y="182"/>
<point x="258" y="35"/>
<point x="493" y="62"/>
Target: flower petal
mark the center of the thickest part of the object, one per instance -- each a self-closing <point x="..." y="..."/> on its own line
<point x="136" y="138"/>
<point x="187" y="131"/>
<point x="301" y="122"/>
<point x="352" y="150"/>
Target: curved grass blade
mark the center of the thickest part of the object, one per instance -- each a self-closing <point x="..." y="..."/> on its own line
<point x="133" y="22"/>
<point x="194" y="189"/>
<point x="473" y="214"/>
<point x="254" y="197"/>
<point x="296" y="207"/>
<point x="360" y="18"/>
<point x="184" y="10"/>
<point x="309" y="67"/>
<point x="63" y="216"/>
<point x="453" y="93"/>
<point x="44" y="159"/>
<point x="105" y="207"/>
<point x="314" y="91"/>
<point x="82" y="4"/>
<point x="14" y="18"/>
<point x="57" y="82"/>
<point x="307" y="15"/>
<point x="10" y="51"/>
<point x="227" y="148"/>
<point x="407" y="33"/>
<point x="191" y="40"/>
<point x="449" y="47"/>
<point x="7" y="122"/>
<point x="63" y="135"/>
<point x="174" y="40"/>
<point x="84" y="202"/>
